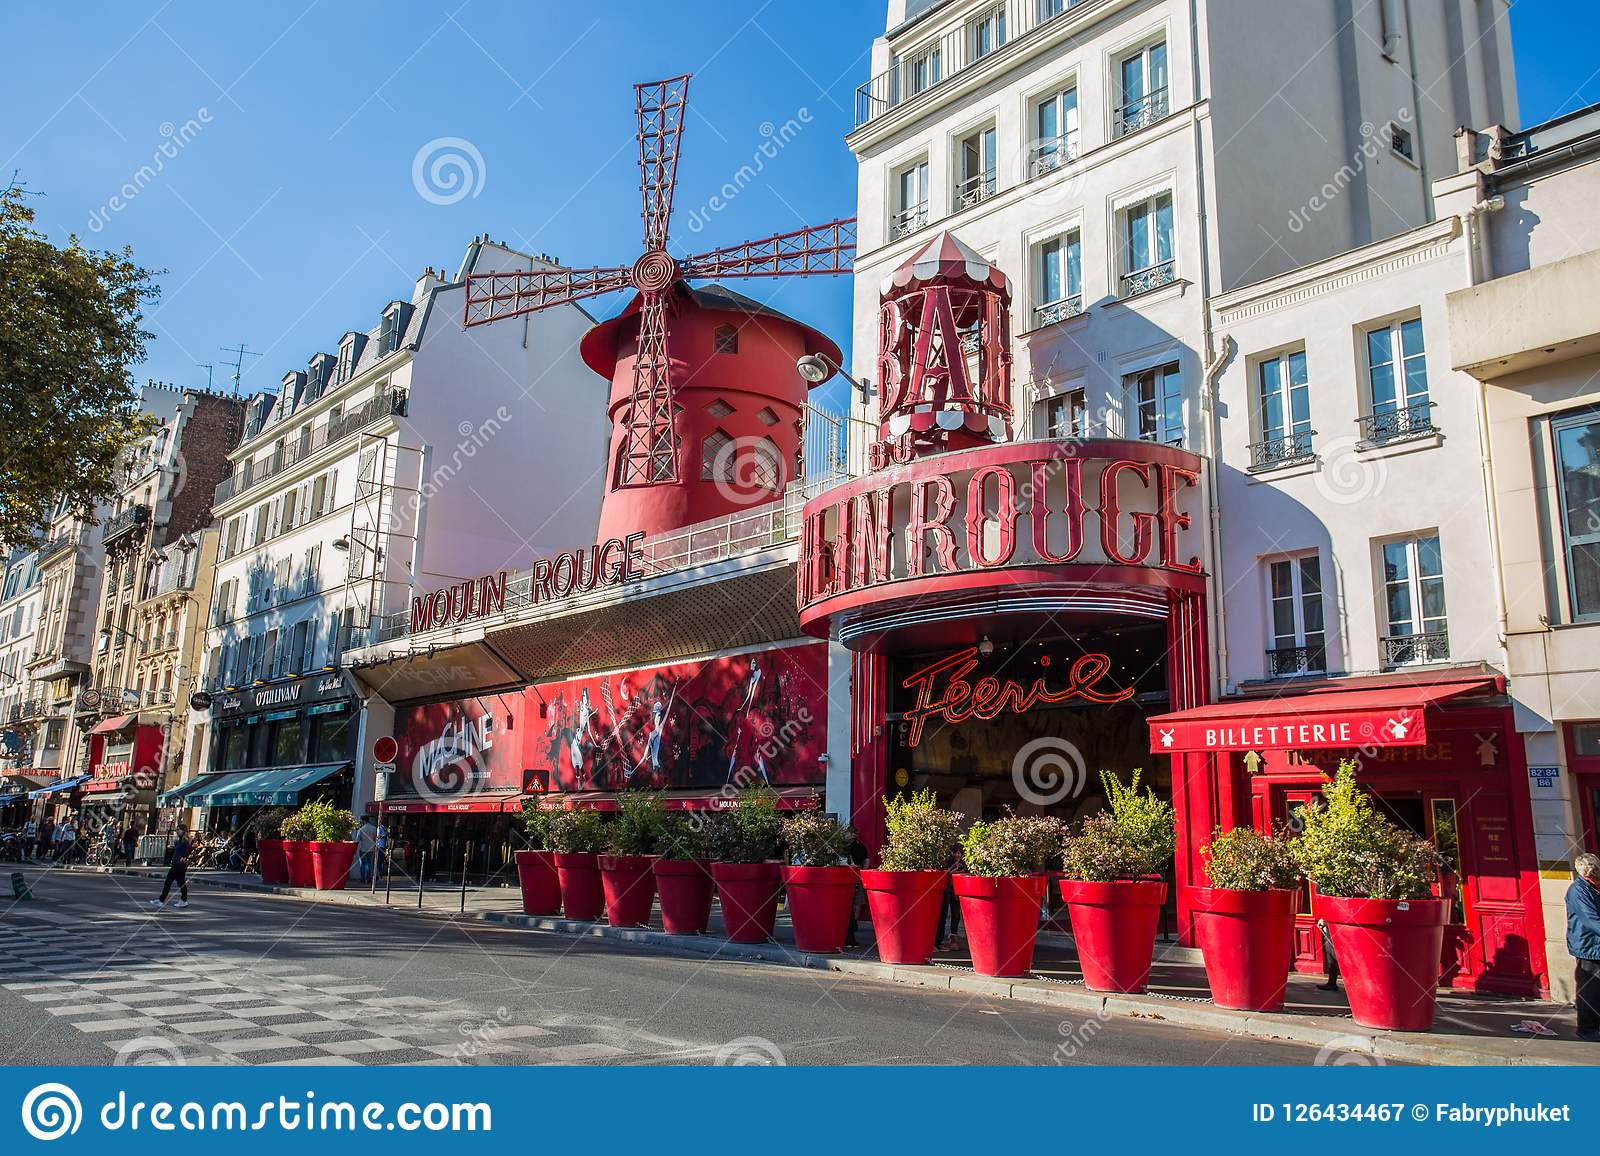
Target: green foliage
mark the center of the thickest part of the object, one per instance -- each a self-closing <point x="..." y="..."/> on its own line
<point x="1136" y="837"/>
<point x="1351" y="851"/>
<point x="637" y="828"/>
<point x="685" y="835"/>
<point x="536" y="825"/>
<point x="922" y="835"/>
<point x="269" y="822"/>
<point x="1244" y="859"/>
<point x="1013" y="845"/>
<point x="328" y="823"/>
<point x="752" y="832"/>
<point x="571" y="832"/>
<point x="816" y="839"/>
<point x="69" y="333"/>
<point x="297" y="828"/>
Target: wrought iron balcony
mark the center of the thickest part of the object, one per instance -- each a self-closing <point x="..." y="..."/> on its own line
<point x="71" y="540"/>
<point x="28" y="710"/>
<point x="1406" y="649"/>
<point x="121" y="527"/>
<point x="1048" y="156"/>
<point x="1397" y="425"/>
<point x="107" y="700"/>
<point x="311" y="440"/>
<point x="976" y="189"/>
<point x="1053" y="312"/>
<point x="1144" y="280"/>
<point x="1142" y="113"/>
<point x="1288" y="661"/>
<point x="908" y="221"/>
<point x="1284" y="450"/>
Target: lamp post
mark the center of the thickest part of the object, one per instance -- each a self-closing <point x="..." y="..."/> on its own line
<point x="818" y="367"/>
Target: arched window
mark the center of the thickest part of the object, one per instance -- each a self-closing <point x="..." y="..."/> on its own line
<point x="766" y="470"/>
<point x="727" y="339"/>
<point x="717" y="457"/>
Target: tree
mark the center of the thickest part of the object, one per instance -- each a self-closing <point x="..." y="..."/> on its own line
<point x="69" y="337"/>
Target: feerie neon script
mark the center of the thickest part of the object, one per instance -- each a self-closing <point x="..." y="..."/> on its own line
<point x="988" y="697"/>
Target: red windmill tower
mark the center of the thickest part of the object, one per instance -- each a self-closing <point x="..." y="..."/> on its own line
<point x="651" y="486"/>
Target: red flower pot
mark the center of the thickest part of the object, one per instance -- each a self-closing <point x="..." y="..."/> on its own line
<point x="1247" y="939"/>
<point x="749" y="896"/>
<point x="270" y="862"/>
<point x="1389" y="952"/>
<point x="582" y="896"/>
<point x="819" y="906"/>
<point x="1001" y="915"/>
<point x="905" y="912"/>
<point x="630" y="889"/>
<point x="541" y="886"/>
<point x="330" y="864"/>
<point x="685" y="889"/>
<point x="297" y="861"/>
<point x="1114" y="926"/>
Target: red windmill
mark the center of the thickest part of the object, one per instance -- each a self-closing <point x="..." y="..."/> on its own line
<point x="649" y="439"/>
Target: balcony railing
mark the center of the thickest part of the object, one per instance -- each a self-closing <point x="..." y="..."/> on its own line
<point x="1397" y="425"/>
<point x="28" y="710"/>
<point x="956" y="49"/>
<point x="1283" y="450"/>
<point x="1288" y="661"/>
<point x="107" y="700"/>
<point x="1048" y="156"/>
<point x="311" y="440"/>
<point x="61" y="542"/>
<point x="976" y="189"/>
<point x="1142" y="113"/>
<point x="908" y="221"/>
<point x="121" y="526"/>
<point x="1405" y="649"/>
<point x="1053" y="312"/>
<point x="1144" y="280"/>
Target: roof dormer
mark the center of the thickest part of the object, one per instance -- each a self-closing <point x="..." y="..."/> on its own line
<point x="289" y="396"/>
<point x="319" y="375"/>
<point x="392" y="331"/>
<point x="350" y="347"/>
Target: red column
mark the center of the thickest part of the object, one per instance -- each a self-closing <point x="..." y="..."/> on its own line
<point x="869" y="748"/>
<point x="1197" y="795"/>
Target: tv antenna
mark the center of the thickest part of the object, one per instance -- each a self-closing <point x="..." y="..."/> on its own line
<point x="208" y="367"/>
<point x="239" y="355"/>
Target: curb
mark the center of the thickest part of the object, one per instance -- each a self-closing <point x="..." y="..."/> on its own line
<point x="1341" y="1034"/>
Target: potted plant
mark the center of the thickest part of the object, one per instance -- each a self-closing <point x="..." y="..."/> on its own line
<point x="748" y="840"/>
<point x="906" y="889"/>
<point x="1244" y="921"/>
<point x="576" y="838"/>
<point x="332" y="849"/>
<point x="683" y="872"/>
<point x="297" y="834"/>
<point x="1111" y="887"/>
<point x="536" y="864"/>
<point x="274" y="868"/>
<point x="820" y="891"/>
<point x="625" y="874"/>
<point x="1373" y="884"/>
<point x="1003" y="888"/>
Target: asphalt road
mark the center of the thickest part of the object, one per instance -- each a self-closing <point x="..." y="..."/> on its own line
<point x="89" y="973"/>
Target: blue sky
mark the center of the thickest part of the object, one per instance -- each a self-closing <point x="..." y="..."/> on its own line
<point x="289" y="213"/>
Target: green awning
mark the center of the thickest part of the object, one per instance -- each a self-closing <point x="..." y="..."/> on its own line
<point x="276" y="786"/>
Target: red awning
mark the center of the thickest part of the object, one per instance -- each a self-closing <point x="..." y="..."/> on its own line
<point x="106" y="726"/>
<point x="466" y="805"/>
<point x="789" y="799"/>
<point x="1358" y="714"/>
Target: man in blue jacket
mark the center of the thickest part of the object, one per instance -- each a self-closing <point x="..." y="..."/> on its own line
<point x="1583" y="941"/>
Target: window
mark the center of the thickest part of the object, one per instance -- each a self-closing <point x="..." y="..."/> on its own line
<point x="319" y="496"/>
<point x="1050" y="9"/>
<point x="1299" y="645"/>
<point x="1400" y="141"/>
<point x="922" y="71"/>
<point x="1283" y="412"/>
<point x="766" y="465"/>
<point x="977" y="180"/>
<point x="1064" y="416"/>
<point x="766" y="417"/>
<point x="1147" y="245"/>
<point x="726" y="339"/>
<point x="330" y="738"/>
<point x="1578" y="460"/>
<point x="988" y="31"/>
<point x="261" y="528"/>
<point x="226" y="594"/>
<point x="1397" y="383"/>
<point x="1056" y="125"/>
<point x="311" y="577"/>
<point x="1059" y="267"/>
<point x="269" y="656"/>
<point x="294" y="653"/>
<point x="1157" y="399"/>
<point x="1144" y="89"/>
<point x="1413" y="595"/>
<point x="235" y="748"/>
<point x="716" y="457"/>
<point x="286" y="742"/>
<point x="910" y="200"/>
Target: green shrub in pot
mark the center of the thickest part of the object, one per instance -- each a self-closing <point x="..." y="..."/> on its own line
<point x="636" y="830"/>
<point x="1350" y="850"/>
<point x="685" y="836"/>
<point x="269" y="822"/>
<point x="815" y="839"/>
<point x="922" y="836"/>
<point x="1244" y="859"/>
<point x="1013" y="845"/>
<point x="535" y="822"/>
<point x="329" y="824"/>
<point x="296" y="827"/>
<point x="1136" y="837"/>
<point x="752" y="832"/>
<point x="576" y="832"/>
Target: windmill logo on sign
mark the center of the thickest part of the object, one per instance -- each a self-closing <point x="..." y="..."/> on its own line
<point x="651" y="445"/>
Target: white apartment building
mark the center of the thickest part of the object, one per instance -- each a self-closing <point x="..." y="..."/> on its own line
<point x="419" y="454"/>
<point x="19" y="609"/>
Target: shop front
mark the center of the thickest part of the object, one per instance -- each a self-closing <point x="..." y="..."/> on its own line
<point x="1439" y="754"/>
<point x="125" y="757"/>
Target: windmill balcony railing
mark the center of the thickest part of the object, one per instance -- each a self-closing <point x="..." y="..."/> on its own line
<point x="1288" y="661"/>
<point x="1282" y="449"/>
<point x="312" y="440"/>
<point x="927" y="64"/>
<point x="1397" y="424"/>
<point x="976" y="189"/>
<point x="1047" y="156"/>
<point x="908" y="221"/>
<point x="1145" y="280"/>
<point x="1409" y="649"/>
<point x="1143" y="112"/>
<point x="1055" y="312"/>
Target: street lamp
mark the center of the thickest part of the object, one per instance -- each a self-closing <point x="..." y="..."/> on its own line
<point x="817" y="368"/>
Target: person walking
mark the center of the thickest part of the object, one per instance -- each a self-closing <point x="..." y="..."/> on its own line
<point x="177" y="873"/>
<point x="30" y="835"/>
<point x="1583" y="941"/>
<point x="366" y="847"/>
<point x="129" y="842"/>
<point x="46" y="841"/>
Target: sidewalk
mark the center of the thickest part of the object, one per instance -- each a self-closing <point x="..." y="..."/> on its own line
<point x="1469" y="1028"/>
